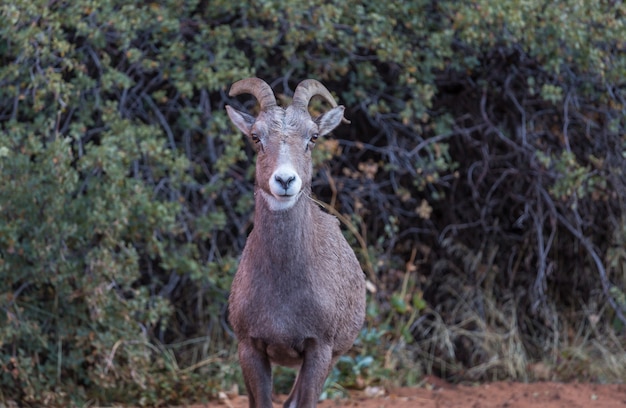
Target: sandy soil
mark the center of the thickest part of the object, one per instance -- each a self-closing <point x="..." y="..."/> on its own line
<point x="437" y="393"/>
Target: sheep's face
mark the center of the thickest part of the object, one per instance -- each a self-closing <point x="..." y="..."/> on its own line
<point x="284" y="139"/>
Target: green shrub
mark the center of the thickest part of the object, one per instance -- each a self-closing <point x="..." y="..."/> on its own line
<point x="91" y="210"/>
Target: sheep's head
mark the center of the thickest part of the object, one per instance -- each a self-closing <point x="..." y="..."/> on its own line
<point x="284" y="137"/>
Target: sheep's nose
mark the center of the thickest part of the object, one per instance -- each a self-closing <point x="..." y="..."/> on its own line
<point x="285" y="182"/>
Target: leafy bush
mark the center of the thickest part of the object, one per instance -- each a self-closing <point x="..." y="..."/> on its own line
<point x="481" y="183"/>
<point x="91" y="210"/>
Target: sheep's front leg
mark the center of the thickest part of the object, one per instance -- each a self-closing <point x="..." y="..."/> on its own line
<point x="316" y="364"/>
<point x="257" y="375"/>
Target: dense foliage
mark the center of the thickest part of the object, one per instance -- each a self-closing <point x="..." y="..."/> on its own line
<point x="481" y="184"/>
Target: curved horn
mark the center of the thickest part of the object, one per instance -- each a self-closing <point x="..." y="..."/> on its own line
<point x="309" y="88"/>
<point x="257" y="88"/>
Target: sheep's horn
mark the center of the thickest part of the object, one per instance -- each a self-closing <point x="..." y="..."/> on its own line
<point x="309" y="88"/>
<point x="257" y="88"/>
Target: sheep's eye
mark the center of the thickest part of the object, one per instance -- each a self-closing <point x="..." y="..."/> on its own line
<point x="314" y="137"/>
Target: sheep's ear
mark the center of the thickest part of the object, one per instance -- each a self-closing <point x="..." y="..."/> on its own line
<point x="330" y="120"/>
<point x="240" y="119"/>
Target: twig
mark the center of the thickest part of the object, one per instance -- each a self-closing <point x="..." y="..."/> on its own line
<point x="162" y="120"/>
<point x="606" y="286"/>
<point x="362" y="242"/>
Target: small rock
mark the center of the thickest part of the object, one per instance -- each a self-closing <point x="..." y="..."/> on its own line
<point x="373" y="392"/>
<point x="223" y="399"/>
<point x="233" y="392"/>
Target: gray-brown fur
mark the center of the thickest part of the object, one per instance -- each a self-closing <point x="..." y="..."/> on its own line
<point x="298" y="298"/>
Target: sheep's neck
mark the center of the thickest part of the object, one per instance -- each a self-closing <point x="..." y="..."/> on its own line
<point x="284" y="234"/>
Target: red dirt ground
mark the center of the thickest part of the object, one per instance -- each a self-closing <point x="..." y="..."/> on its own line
<point x="438" y="393"/>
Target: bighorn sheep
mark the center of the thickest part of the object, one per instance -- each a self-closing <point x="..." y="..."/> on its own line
<point x="298" y="297"/>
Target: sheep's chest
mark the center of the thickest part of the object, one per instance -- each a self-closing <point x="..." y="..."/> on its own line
<point x="282" y="329"/>
<point x="285" y="292"/>
<point x="286" y="310"/>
